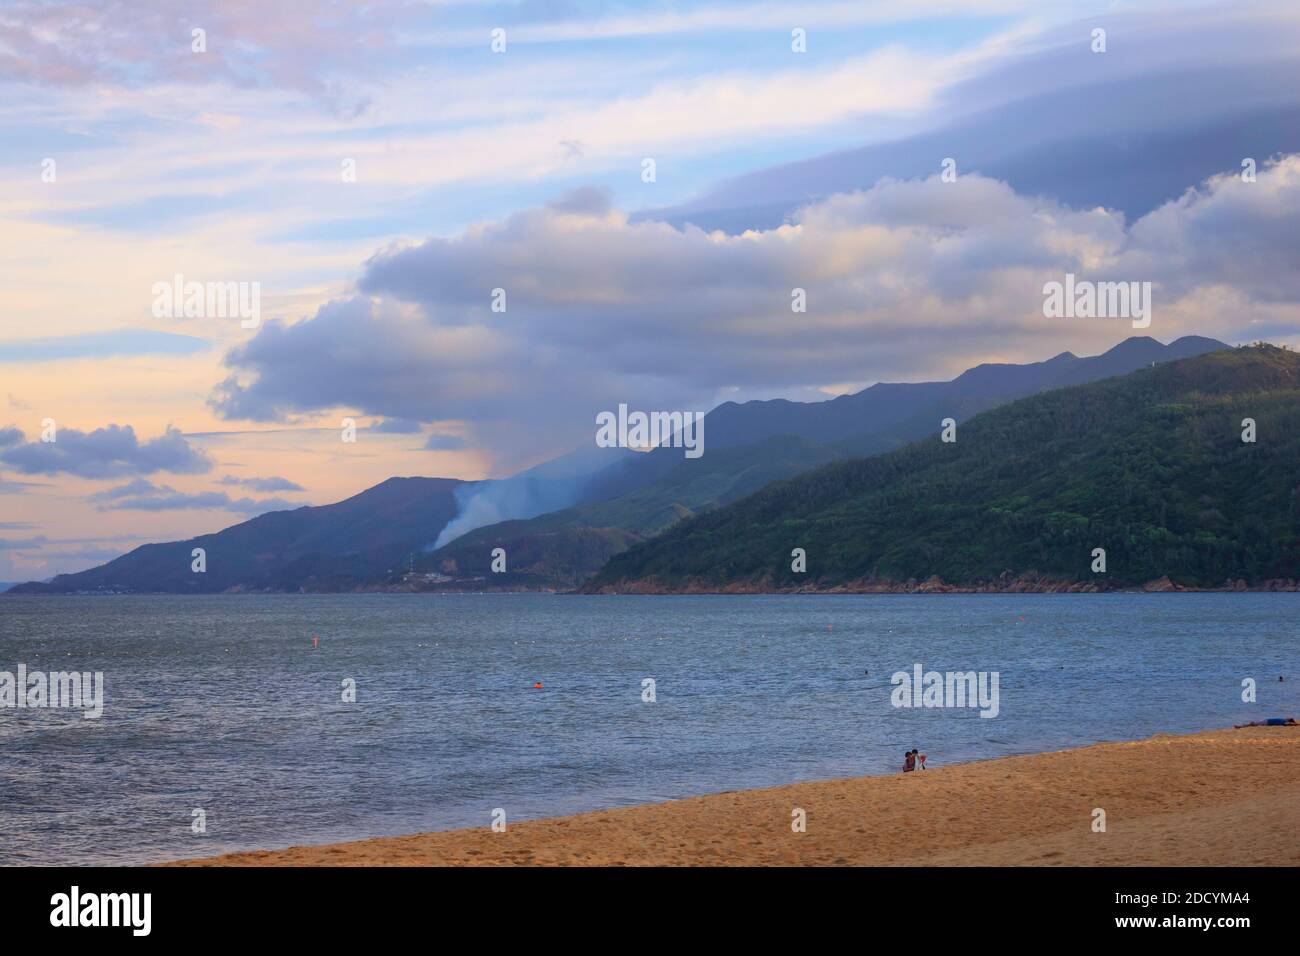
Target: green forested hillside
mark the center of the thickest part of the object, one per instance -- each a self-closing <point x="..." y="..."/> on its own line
<point x="755" y="443"/>
<point x="1150" y="466"/>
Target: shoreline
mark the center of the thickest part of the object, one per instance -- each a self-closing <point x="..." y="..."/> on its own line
<point x="1214" y="798"/>
<point x="1029" y="583"/>
<point x="738" y="589"/>
<point x="1006" y="583"/>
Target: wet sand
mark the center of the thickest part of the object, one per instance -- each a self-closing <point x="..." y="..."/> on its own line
<point x="1220" y="798"/>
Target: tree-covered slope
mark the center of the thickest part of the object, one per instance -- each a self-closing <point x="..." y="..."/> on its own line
<point x="758" y="442"/>
<point x="1150" y="466"/>
<point x="564" y="548"/>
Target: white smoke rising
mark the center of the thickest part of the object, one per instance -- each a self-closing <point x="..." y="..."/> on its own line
<point x="523" y="496"/>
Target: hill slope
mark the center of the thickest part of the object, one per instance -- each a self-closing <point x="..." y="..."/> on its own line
<point x="325" y="548"/>
<point x="564" y="548"/>
<point x="750" y="445"/>
<point x="1150" y="466"/>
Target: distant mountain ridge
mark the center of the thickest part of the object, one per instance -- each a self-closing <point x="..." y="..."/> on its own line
<point x="576" y="512"/>
<point x="970" y="392"/>
<point x="330" y="547"/>
<point x="759" y="442"/>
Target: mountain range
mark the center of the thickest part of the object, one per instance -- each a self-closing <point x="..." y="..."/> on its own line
<point x="564" y="520"/>
<point x="753" y="444"/>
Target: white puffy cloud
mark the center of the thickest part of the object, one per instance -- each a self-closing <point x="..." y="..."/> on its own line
<point x="900" y="278"/>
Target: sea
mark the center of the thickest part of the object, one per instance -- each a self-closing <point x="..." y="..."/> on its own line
<point x="236" y="722"/>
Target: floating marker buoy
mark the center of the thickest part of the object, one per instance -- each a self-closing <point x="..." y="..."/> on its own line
<point x="537" y="686"/>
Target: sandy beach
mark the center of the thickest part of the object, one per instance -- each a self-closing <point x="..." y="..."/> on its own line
<point x="1219" y="798"/>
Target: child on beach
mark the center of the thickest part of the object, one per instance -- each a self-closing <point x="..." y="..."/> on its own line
<point x="1271" y="722"/>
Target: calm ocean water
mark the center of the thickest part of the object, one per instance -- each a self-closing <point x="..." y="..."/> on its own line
<point x="221" y="703"/>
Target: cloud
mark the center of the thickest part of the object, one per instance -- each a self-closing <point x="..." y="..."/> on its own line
<point x="1171" y="102"/>
<point x="734" y="17"/>
<point x="20" y="487"/>
<point x="583" y="201"/>
<point x="10" y="435"/>
<point x="899" y="279"/>
<point x="318" y="50"/>
<point x="397" y="426"/>
<point x="22" y="544"/>
<point x="141" y="495"/>
<point x="94" y="555"/>
<point x="439" y="442"/>
<point x="40" y="557"/>
<point x="100" y="345"/>
<point x="1227" y="233"/>
<point x="251" y="506"/>
<point x="137" y="42"/>
<point x="130" y="489"/>
<point x="110" y="452"/>
<point x="274" y="483"/>
<point x="229" y="135"/>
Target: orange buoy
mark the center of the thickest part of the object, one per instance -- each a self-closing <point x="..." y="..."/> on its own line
<point x="538" y="685"/>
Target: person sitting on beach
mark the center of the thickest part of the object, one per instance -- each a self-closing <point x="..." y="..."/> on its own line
<point x="920" y="760"/>
<point x="909" y="761"/>
<point x="1271" y="722"/>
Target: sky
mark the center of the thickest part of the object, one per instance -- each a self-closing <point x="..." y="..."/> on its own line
<point x="645" y="183"/>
